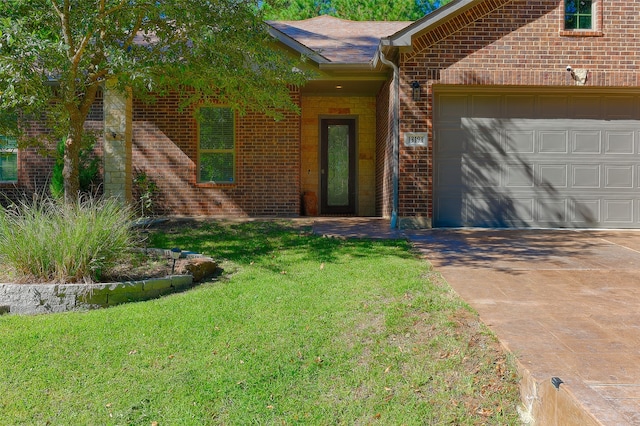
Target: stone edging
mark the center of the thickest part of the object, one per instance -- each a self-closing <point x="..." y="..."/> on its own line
<point x="49" y="298"/>
<point x="29" y="299"/>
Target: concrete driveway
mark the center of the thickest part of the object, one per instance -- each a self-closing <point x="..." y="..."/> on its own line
<point x="565" y="303"/>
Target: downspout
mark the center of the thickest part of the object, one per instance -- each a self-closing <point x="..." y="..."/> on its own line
<point x="395" y="131"/>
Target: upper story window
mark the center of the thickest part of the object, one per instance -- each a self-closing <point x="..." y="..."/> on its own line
<point x="216" y="145"/>
<point x="582" y="18"/>
<point x="578" y="15"/>
<point x="8" y="159"/>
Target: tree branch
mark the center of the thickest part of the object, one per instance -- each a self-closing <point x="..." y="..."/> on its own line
<point x="78" y="54"/>
<point x="134" y="32"/>
<point x="88" y="100"/>
<point x="114" y="8"/>
<point x="64" y="22"/>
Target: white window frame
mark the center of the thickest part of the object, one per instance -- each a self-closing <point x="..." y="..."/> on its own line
<point x="596" y="22"/>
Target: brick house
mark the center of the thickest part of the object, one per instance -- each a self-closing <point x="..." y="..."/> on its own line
<point x="466" y="117"/>
<point x="513" y="137"/>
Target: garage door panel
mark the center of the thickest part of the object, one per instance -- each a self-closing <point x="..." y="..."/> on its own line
<point x="519" y="175"/>
<point x="448" y="211"/>
<point x="448" y="174"/>
<point x="585" y="176"/>
<point x="544" y="160"/>
<point x="521" y="106"/>
<point x="552" y="176"/>
<point x="520" y="141"/>
<point x="486" y="211"/>
<point x="481" y="172"/>
<point x="519" y="210"/>
<point x="482" y="137"/>
<point x="498" y="211"/>
<point x="553" y="141"/>
<point x="620" y="107"/>
<point x="620" y="142"/>
<point x="486" y="106"/>
<point x="585" y="107"/>
<point x="452" y="107"/>
<point x="586" y="212"/>
<point x="586" y="142"/>
<point x="618" y="212"/>
<point x="618" y="176"/>
<point x="450" y="140"/>
<point x="551" y="211"/>
<point x="552" y="106"/>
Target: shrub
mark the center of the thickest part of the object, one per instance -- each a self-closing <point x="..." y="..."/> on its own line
<point x="145" y="189"/>
<point x="87" y="173"/>
<point x="52" y="241"/>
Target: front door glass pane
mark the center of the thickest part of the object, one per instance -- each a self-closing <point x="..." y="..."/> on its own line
<point x="338" y="165"/>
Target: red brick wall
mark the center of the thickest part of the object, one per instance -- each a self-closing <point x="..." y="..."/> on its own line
<point x="384" y="160"/>
<point x="502" y="42"/>
<point x="165" y="148"/>
<point x="267" y="163"/>
<point x="35" y="164"/>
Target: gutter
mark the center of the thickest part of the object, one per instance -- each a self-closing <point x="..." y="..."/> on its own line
<point x="395" y="126"/>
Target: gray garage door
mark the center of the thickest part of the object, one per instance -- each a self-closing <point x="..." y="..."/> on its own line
<point x="543" y="159"/>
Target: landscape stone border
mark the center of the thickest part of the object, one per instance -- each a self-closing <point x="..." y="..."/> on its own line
<point x="30" y="299"/>
<point x="50" y="298"/>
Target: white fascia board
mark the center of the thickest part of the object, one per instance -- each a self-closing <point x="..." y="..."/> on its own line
<point x="346" y="66"/>
<point x="403" y="37"/>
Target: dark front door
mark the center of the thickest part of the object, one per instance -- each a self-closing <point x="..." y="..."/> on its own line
<point x="337" y="169"/>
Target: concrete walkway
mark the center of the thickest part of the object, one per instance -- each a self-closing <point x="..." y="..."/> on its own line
<point x="565" y="303"/>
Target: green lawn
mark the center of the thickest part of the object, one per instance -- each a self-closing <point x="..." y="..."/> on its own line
<point x="299" y="329"/>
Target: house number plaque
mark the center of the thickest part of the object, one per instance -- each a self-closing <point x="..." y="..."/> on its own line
<point x="415" y="139"/>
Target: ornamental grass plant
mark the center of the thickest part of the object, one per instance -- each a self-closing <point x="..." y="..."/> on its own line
<point x="48" y="240"/>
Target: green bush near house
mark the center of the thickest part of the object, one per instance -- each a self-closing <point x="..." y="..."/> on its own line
<point x="89" y="167"/>
<point x="48" y="240"/>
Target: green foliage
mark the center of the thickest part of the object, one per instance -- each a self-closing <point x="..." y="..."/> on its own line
<point x="146" y="190"/>
<point x="219" y="49"/>
<point x="89" y="167"/>
<point x="302" y="330"/>
<point x="49" y="240"/>
<point x="355" y="10"/>
<point x="55" y="55"/>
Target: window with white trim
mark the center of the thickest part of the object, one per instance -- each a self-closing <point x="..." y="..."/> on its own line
<point x="216" y="145"/>
<point x="8" y="159"/>
<point x="579" y="15"/>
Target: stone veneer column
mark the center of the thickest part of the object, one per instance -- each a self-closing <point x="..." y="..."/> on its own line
<point x="118" y="134"/>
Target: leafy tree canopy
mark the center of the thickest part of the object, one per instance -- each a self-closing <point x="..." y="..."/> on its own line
<point x="356" y="10"/>
<point x="56" y="54"/>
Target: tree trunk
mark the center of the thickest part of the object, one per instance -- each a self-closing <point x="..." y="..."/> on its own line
<point x="71" y="169"/>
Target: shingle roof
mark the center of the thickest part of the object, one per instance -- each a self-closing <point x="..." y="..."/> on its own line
<point x="339" y="40"/>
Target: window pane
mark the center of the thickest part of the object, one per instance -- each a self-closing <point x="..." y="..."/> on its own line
<point x="584" y="7"/>
<point x="7" y="142"/>
<point x="578" y="14"/>
<point x="584" y="22"/>
<point x="8" y="166"/>
<point x="216" y="167"/>
<point x="216" y="128"/>
<point x="338" y="173"/>
<point x="8" y="159"/>
<point x="570" y="7"/>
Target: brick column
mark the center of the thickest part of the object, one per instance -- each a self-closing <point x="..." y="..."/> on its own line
<point x="118" y="107"/>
